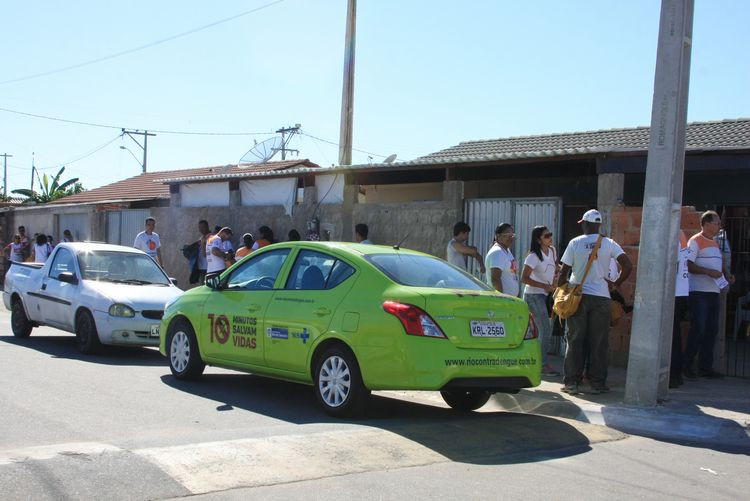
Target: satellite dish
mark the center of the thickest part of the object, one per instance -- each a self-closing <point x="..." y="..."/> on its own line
<point x="389" y="159"/>
<point x="262" y="152"/>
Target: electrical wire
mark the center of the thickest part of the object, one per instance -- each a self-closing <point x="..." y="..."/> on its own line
<point x="157" y="131"/>
<point x="337" y="144"/>
<point x="142" y="47"/>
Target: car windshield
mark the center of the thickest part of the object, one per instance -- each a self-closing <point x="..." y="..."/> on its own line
<point x="121" y="267"/>
<point x="424" y="271"/>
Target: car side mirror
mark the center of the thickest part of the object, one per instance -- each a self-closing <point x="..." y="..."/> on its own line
<point x="68" y="277"/>
<point x="213" y="282"/>
<point x="173" y="280"/>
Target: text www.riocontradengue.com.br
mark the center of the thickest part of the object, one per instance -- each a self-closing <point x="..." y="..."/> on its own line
<point x="503" y="362"/>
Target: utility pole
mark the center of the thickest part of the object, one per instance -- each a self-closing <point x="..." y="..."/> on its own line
<point x="5" y="173"/>
<point x="651" y="333"/>
<point x="143" y="146"/>
<point x="347" y="92"/>
<point x="32" y="171"/>
<point x="284" y="140"/>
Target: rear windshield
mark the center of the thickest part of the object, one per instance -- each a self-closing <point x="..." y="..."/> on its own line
<point x="424" y="271"/>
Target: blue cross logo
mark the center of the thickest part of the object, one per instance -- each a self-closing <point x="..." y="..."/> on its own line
<point x="305" y="335"/>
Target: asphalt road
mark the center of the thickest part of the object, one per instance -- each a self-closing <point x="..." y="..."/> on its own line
<point x="119" y="426"/>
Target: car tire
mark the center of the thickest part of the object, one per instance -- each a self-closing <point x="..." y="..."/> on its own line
<point x="338" y="383"/>
<point x="19" y="322"/>
<point x="87" y="337"/>
<point x="182" y="351"/>
<point x="465" y="400"/>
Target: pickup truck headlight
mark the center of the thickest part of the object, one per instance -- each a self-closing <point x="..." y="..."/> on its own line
<point x="121" y="310"/>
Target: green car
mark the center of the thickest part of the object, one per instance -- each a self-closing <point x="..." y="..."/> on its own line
<point x="351" y="318"/>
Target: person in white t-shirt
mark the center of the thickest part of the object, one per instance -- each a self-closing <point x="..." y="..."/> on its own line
<point x="540" y="275"/>
<point x="360" y="233"/>
<point x="219" y="252"/>
<point x="681" y="293"/>
<point x="589" y="326"/>
<point x="501" y="266"/>
<point x="41" y="249"/>
<point x="148" y="241"/>
<point x="457" y="251"/>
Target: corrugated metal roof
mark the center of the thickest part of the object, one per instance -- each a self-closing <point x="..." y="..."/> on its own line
<point x="147" y="186"/>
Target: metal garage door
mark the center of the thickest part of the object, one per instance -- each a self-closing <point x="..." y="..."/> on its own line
<point x="124" y="225"/>
<point x="484" y="214"/>
<point x="78" y="224"/>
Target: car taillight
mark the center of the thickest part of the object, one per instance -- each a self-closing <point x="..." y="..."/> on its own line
<point x="531" y="331"/>
<point x="415" y="320"/>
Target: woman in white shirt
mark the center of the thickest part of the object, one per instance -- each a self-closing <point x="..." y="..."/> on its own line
<point x="42" y="249"/>
<point x="540" y="271"/>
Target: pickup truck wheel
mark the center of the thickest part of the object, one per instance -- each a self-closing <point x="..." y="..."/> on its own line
<point x="182" y="349"/>
<point x="87" y="338"/>
<point x="465" y="400"/>
<point x="19" y="322"/>
<point x="338" y="383"/>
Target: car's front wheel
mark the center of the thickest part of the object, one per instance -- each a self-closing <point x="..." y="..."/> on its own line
<point x="87" y="337"/>
<point x="182" y="348"/>
<point x="338" y="383"/>
<point x="465" y="400"/>
<point x="19" y="322"/>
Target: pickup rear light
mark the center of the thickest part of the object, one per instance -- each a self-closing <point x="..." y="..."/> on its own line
<point x="531" y="331"/>
<point x="415" y="320"/>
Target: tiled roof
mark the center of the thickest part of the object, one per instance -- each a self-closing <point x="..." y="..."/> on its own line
<point x="725" y="134"/>
<point x="148" y="185"/>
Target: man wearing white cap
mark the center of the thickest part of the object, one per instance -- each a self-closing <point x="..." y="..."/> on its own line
<point x="589" y="326"/>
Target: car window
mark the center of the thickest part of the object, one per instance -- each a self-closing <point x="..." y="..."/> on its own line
<point x="63" y="262"/>
<point x="424" y="271"/>
<point x="316" y="271"/>
<point x="259" y="272"/>
<point x="121" y="267"/>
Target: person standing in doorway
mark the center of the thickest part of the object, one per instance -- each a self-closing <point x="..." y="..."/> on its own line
<point x="458" y="251"/>
<point x="148" y="241"/>
<point x="360" y="233"/>
<point x="501" y="266"/>
<point x="539" y="275"/>
<point x="589" y="326"/>
<point x="706" y="280"/>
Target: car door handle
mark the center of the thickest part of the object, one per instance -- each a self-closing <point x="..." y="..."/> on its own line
<point x="253" y="307"/>
<point x="44" y="287"/>
<point x="322" y="311"/>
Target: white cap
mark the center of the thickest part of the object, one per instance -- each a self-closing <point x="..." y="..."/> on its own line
<point x="591" y="216"/>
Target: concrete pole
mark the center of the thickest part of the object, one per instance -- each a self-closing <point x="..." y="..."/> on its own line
<point x="648" y="365"/>
<point x="347" y="92"/>
<point x="5" y="173"/>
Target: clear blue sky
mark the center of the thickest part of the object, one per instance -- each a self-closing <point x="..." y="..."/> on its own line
<point x="429" y="74"/>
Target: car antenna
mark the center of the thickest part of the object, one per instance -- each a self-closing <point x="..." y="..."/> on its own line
<point x="398" y="245"/>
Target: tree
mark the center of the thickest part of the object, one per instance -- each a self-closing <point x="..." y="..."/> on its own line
<point x="51" y="189"/>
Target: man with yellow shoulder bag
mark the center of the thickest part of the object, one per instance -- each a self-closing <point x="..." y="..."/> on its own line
<point x="583" y="298"/>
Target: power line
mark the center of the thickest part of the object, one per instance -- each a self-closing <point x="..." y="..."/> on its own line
<point x="142" y="47"/>
<point x="104" y="126"/>
<point x="337" y="144"/>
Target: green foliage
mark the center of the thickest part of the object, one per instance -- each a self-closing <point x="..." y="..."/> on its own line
<point x="51" y="189"/>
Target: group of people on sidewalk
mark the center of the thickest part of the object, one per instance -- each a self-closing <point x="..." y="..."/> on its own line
<point x="601" y="266"/>
<point x="34" y="250"/>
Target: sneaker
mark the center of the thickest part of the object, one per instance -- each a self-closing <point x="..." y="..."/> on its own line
<point x="570" y="389"/>
<point x="711" y="374"/>
<point x="548" y="370"/>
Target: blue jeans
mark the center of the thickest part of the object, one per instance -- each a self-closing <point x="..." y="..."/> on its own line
<point x="538" y="307"/>
<point x="704" y="325"/>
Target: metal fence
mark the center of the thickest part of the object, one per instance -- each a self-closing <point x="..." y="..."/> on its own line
<point x="124" y="225"/>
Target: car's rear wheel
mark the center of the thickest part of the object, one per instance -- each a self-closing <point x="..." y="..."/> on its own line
<point x="338" y="383"/>
<point x="184" y="356"/>
<point x="465" y="400"/>
<point x="19" y="322"/>
<point x="87" y="337"/>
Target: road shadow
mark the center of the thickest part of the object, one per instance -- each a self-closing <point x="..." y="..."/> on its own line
<point x="65" y="347"/>
<point x="489" y="438"/>
<point x="681" y="423"/>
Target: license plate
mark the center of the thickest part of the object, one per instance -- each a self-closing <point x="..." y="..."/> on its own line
<point x="155" y="330"/>
<point x="487" y="329"/>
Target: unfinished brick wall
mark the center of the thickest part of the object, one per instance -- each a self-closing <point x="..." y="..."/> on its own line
<point x="626" y="230"/>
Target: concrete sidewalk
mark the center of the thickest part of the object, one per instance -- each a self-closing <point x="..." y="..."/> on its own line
<point x="703" y="410"/>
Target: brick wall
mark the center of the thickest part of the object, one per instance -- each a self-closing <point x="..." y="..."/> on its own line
<point x="626" y="230"/>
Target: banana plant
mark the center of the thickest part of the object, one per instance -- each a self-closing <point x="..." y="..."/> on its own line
<point x="51" y="188"/>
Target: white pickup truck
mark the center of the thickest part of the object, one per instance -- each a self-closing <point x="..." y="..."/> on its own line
<point x="105" y="294"/>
